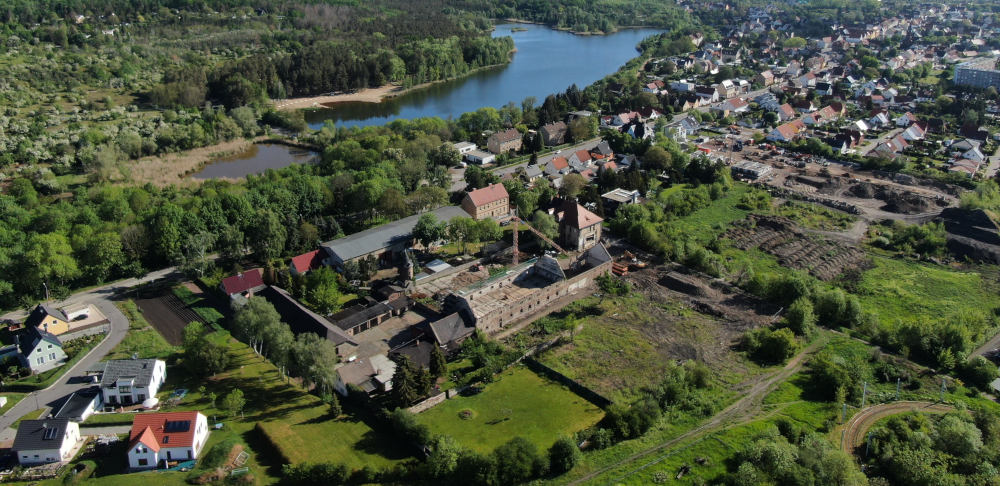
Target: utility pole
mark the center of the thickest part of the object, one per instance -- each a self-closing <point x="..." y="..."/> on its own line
<point x="868" y="443"/>
<point x="46" y="285"/>
<point x="897" y="389"/>
<point x="943" y="388"/>
<point x="864" y="395"/>
<point x="843" y="414"/>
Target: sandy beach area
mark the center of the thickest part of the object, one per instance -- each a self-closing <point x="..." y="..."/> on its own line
<point x="367" y="95"/>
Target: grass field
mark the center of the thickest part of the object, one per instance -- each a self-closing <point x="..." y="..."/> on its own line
<point x="904" y="291"/>
<point x="519" y="403"/>
<point x="814" y="216"/>
<point x="634" y="339"/>
<point x="142" y="338"/>
<point x="706" y="224"/>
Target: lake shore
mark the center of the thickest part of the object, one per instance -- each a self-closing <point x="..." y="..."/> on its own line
<point x="371" y="95"/>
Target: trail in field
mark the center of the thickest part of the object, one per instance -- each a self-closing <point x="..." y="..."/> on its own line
<point x="859" y="424"/>
<point x="745" y="407"/>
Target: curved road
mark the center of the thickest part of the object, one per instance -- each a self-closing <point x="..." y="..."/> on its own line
<point x="102" y="298"/>
<point x="854" y="431"/>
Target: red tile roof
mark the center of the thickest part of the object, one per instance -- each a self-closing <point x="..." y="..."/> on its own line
<point x="307" y="261"/>
<point x="583" y="155"/>
<point x="152" y="428"/>
<point x="560" y="163"/>
<point x="242" y="282"/>
<point x="488" y="194"/>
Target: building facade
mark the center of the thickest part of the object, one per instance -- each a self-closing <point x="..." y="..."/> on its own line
<point x="978" y="73"/>
<point x="491" y="201"/>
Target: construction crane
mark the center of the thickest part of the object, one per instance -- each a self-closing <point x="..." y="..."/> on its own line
<point x="517" y="225"/>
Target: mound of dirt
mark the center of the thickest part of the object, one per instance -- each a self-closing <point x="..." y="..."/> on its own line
<point x="824" y="259"/>
<point x="904" y="202"/>
<point x="686" y="284"/>
<point x="865" y="190"/>
<point x="971" y="234"/>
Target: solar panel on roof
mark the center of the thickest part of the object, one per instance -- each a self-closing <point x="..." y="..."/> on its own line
<point x="177" y="426"/>
<point x="50" y="433"/>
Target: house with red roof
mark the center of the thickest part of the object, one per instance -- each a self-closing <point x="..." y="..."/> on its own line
<point x="163" y="439"/>
<point x="491" y="201"/>
<point x="244" y="283"/>
<point x="306" y="262"/>
<point x="786" y="132"/>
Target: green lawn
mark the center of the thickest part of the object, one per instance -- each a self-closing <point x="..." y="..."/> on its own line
<point x="905" y="291"/>
<point x="519" y="403"/>
<point x="707" y="223"/>
<point x="814" y="216"/>
<point x="142" y="338"/>
<point x="12" y="399"/>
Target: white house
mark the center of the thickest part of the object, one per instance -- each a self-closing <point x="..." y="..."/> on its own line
<point x="131" y="381"/>
<point x="162" y="438"/>
<point x="464" y="147"/>
<point x="45" y="441"/>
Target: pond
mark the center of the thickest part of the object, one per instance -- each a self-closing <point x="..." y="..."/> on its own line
<point x="547" y="61"/>
<point x="255" y="160"/>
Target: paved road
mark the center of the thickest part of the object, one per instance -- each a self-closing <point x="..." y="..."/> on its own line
<point x="102" y="298"/>
<point x="854" y="431"/>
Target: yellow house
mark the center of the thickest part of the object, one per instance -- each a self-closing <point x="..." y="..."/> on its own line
<point x="55" y="321"/>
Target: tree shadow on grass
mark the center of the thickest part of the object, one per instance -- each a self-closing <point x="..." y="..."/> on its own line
<point x="267" y="455"/>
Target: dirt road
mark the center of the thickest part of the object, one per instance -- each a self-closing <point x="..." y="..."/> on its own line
<point x="857" y="427"/>
<point x="745" y="407"/>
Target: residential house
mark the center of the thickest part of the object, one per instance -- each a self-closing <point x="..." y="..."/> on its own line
<point x="860" y="126"/>
<point x="879" y="120"/>
<point x="965" y="166"/>
<point x="726" y="89"/>
<point x="579" y="229"/>
<point x="243" y="284"/>
<point x="464" y="147"/>
<point x="914" y="132"/>
<point x="805" y="106"/>
<point x="557" y="166"/>
<point x="39" y="350"/>
<point x="480" y="157"/>
<point x="683" y="86"/>
<point x="785" y="112"/>
<point x="532" y="173"/>
<point x="306" y="262"/>
<point x="655" y="87"/>
<point x="491" y="201"/>
<point x="163" y="439"/>
<point x="46" y="441"/>
<point x="786" y="132"/>
<point x="61" y="321"/>
<point x="371" y="375"/>
<point x="553" y="133"/>
<point x="707" y="94"/>
<point x="581" y="157"/>
<point x="824" y="88"/>
<point x="906" y="119"/>
<point x="767" y="101"/>
<point x="764" y="79"/>
<point x="734" y="105"/>
<point x="131" y="381"/>
<point x="80" y="405"/>
<point x="504" y="141"/>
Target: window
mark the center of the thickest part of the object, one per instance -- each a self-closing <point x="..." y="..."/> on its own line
<point x="124" y="389"/>
<point x="52" y="356"/>
<point x="50" y="346"/>
<point x="40" y="360"/>
<point x="143" y="462"/>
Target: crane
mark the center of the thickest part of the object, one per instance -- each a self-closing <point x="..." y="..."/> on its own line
<point x="517" y="225"/>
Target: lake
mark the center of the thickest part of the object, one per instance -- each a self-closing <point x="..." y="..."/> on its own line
<point x="255" y="160"/>
<point x="547" y="61"/>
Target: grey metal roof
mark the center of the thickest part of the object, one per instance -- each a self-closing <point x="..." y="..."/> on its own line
<point x="39" y="314"/>
<point x="358" y="314"/>
<point x="381" y="237"/>
<point x="140" y="369"/>
<point x="33" y="435"/>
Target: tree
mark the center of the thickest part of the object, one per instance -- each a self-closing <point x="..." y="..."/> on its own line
<point x="770" y="346"/>
<point x="268" y="237"/>
<point x="405" y="381"/>
<point x="444" y="456"/>
<point x="546" y="224"/>
<point x="438" y="364"/>
<point x="445" y="155"/>
<point x="203" y="357"/>
<point x="251" y="320"/>
<point x="234" y="402"/>
<point x="335" y="408"/>
<point x="518" y="461"/>
<point x="563" y="456"/>
<point x="322" y="290"/>
<point x="428" y="229"/>
<point x="979" y="372"/>
<point x="800" y="318"/>
<point x="477" y="177"/>
<point x="194" y="259"/>
<point x="572" y="184"/>
<point x="461" y="229"/>
<point x="49" y="258"/>
<point x="656" y="159"/>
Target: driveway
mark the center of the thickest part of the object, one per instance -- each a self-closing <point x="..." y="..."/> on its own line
<point x="102" y="298"/>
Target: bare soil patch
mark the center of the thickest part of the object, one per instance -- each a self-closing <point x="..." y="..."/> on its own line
<point x="168" y="315"/>
<point x="823" y="258"/>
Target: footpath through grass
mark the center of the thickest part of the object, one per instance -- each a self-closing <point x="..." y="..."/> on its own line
<point x="519" y="403"/>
